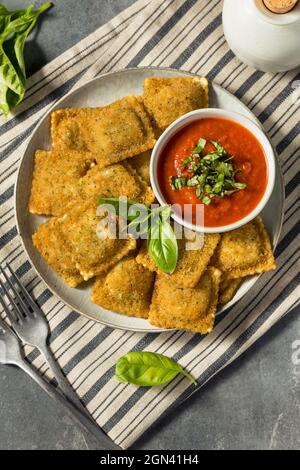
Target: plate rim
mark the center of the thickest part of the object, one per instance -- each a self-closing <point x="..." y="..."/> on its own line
<point x="77" y="89"/>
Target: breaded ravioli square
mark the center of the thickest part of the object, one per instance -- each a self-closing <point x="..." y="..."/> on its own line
<point x="141" y="164"/>
<point x="55" y="179"/>
<point x="50" y="240"/>
<point x="122" y="130"/>
<point x="191" y="262"/>
<point x="112" y="133"/>
<point x="244" y="251"/>
<point x="126" y="288"/>
<point x="166" y="99"/>
<point x="114" y="181"/>
<point x="228" y="288"/>
<point x="146" y="195"/>
<point x="67" y="126"/>
<point x="184" y="308"/>
<point x="95" y="246"/>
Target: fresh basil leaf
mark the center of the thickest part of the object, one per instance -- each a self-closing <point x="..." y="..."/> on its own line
<point x="8" y="74"/>
<point x="148" y="369"/>
<point x="124" y="207"/>
<point x="162" y="245"/>
<point x="3" y="10"/>
<point x="14" y="29"/>
<point x="165" y="212"/>
<point x="138" y="226"/>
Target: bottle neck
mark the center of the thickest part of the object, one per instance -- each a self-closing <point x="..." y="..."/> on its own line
<point x="260" y="10"/>
<point x="280" y="6"/>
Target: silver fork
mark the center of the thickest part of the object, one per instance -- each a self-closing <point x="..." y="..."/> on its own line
<point x="11" y="353"/>
<point x="30" y="324"/>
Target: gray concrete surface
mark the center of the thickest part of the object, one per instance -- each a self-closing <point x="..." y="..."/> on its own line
<point x="253" y="404"/>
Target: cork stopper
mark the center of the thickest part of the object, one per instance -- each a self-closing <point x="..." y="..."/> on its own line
<point x="280" y="6"/>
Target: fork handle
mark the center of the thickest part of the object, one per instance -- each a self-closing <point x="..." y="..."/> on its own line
<point x="82" y="419"/>
<point x="62" y="381"/>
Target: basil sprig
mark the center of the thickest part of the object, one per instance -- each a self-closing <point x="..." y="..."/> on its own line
<point x="161" y="240"/>
<point x="148" y="369"/>
<point x="15" y="26"/>
<point x="212" y="174"/>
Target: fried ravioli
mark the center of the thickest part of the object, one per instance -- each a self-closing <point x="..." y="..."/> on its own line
<point x="141" y="164"/>
<point x="51" y="242"/>
<point x="95" y="248"/>
<point x="62" y="177"/>
<point x="166" y="99"/>
<point x="146" y="195"/>
<point x="114" y="181"/>
<point x="55" y="179"/>
<point x="244" y="251"/>
<point x="191" y="263"/>
<point x="185" y="308"/>
<point x="228" y="288"/>
<point x="112" y="133"/>
<point x="67" y="125"/>
<point x="126" y="289"/>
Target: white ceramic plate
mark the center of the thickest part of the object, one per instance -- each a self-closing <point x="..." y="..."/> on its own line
<point x="98" y="92"/>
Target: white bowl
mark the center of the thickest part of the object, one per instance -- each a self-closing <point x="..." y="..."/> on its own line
<point x="196" y="116"/>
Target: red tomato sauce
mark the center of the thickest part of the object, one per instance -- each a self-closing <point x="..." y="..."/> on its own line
<point x="248" y="156"/>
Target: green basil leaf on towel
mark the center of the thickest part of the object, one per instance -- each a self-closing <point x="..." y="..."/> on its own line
<point x="148" y="369"/>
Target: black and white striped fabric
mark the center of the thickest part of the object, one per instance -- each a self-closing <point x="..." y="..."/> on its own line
<point x="184" y="34"/>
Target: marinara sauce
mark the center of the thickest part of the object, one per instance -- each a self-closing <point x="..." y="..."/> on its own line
<point x="248" y="156"/>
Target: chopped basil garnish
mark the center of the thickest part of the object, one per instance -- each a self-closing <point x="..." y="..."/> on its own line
<point x="211" y="174"/>
<point x="200" y="146"/>
<point x="177" y="183"/>
<point x="187" y="160"/>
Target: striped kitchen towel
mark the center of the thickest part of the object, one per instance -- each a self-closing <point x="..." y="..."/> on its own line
<point x="183" y="34"/>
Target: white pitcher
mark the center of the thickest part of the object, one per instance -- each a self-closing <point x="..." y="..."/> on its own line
<point x="265" y="40"/>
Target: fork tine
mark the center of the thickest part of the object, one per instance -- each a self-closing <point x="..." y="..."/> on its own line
<point x="16" y="309"/>
<point x="28" y="298"/>
<point x="24" y="306"/>
<point x="3" y="323"/>
<point x="6" y="308"/>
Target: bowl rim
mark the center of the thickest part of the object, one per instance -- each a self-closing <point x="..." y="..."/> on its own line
<point x="199" y="114"/>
